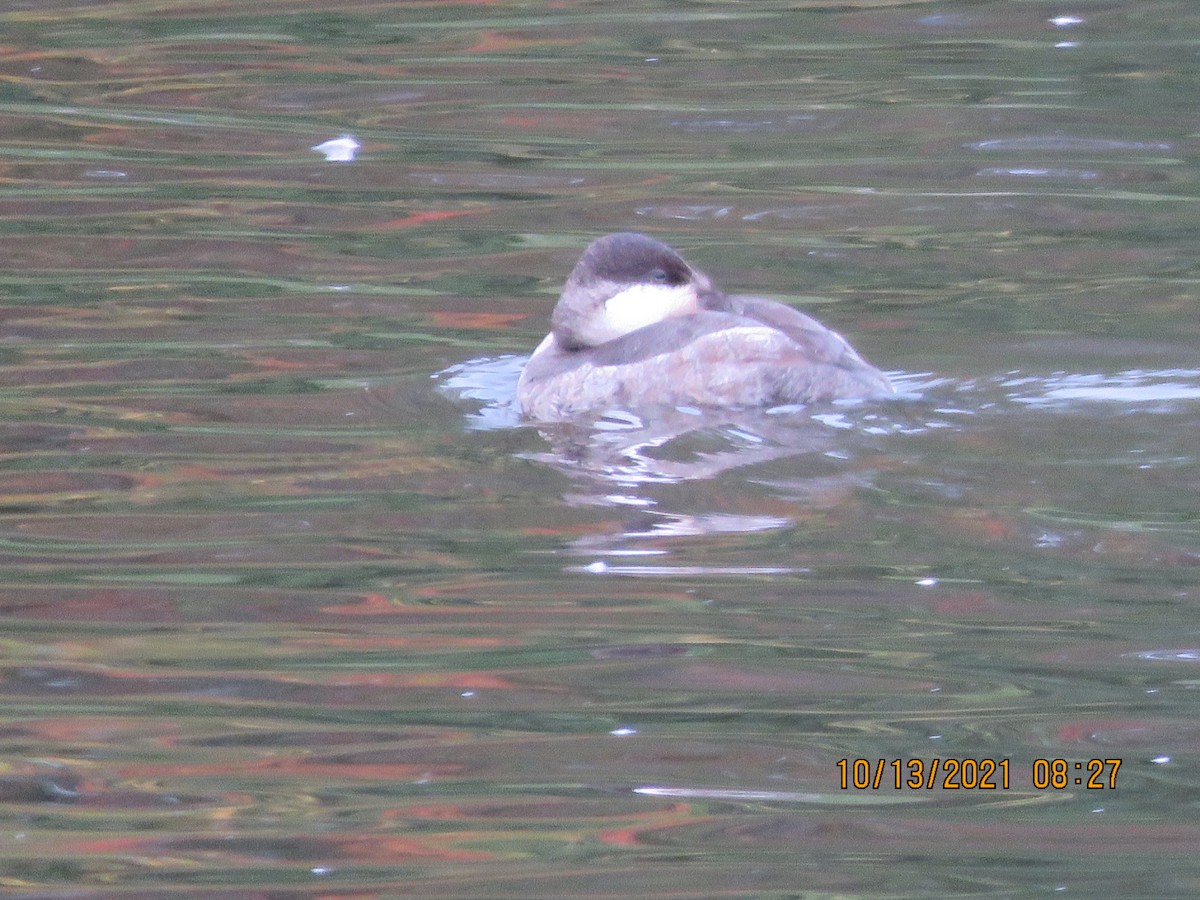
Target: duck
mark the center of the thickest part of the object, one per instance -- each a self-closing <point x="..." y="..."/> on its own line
<point x="637" y="326"/>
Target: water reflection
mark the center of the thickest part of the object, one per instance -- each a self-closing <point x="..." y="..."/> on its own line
<point x="670" y="445"/>
<point x="282" y="614"/>
<point x="675" y="445"/>
<point x="341" y="149"/>
<point x="1135" y="388"/>
<point x="1067" y="144"/>
<point x="621" y="461"/>
<point x="807" y="459"/>
<point x="493" y="382"/>
<point x="679" y="444"/>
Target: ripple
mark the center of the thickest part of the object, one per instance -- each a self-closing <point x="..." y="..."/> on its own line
<point x="602" y="568"/>
<point x="694" y="213"/>
<point x="1058" y="143"/>
<point x="1038" y="172"/>
<point x="491" y="379"/>
<point x="738" y="795"/>
<point x="676" y="525"/>
<point x="497" y="180"/>
<point x="739" y="126"/>
<point x="1135" y="386"/>
<point x="703" y="212"/>
<point x="1191" y="654"/>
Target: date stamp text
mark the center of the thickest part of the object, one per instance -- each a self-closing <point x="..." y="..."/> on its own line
<point x="971" y="774"/>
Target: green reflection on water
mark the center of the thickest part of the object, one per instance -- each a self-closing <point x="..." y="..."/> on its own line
<point x="275" y="617"/>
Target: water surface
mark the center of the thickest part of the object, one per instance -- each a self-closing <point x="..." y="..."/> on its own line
<point x="295" y="605"/>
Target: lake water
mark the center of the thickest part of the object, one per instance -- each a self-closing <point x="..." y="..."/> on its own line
<point x="295" y="605"/>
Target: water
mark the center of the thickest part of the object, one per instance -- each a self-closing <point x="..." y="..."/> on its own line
<point x="295" y="605"/>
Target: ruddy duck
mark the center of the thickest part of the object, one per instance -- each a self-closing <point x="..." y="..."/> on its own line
<point x="636" y="325"/>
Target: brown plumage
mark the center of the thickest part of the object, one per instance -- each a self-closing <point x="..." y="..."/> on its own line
<point x="637" y="326"/>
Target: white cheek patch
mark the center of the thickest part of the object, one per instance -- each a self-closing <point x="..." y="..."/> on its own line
<point x="645" y="304"/>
